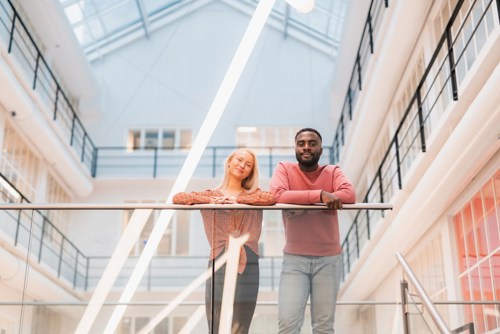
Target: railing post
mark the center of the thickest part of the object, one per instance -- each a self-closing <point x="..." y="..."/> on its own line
<point x="451" y="61"/>
<point x="94" y="161"/>
<point x="56" y="102"/>
<point x="398" y="161"/>
<point x="37" y="65"/>
<point x="87" y="274"/>
<point x="368" y="229"/>
<point x="342" y="130"/>
<point x="358" y="63"/>
<point x="18" y="226"/>
<point x="82" y="158"/>
<point x="75" y="275"/>
<point x="155" y="161"/>
<point x="72" y="131"/>
<point x="381" y="187"/>
<point x="348" y="254"/>
<point x="61" y="249"/>
<point x="357" y="237"/>
<point x="41" y="240"/>
<point x="11" y="38"/>
<point x="349" y="98"/>
<point x="498" y="9"/>
<point x="421" y="121"/>
<point x="370" y="29"/>
<point x="406" y="325"/>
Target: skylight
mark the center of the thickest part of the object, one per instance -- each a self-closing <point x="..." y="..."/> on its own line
<point x="103" y="25"/>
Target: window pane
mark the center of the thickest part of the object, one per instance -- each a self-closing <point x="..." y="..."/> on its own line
<point x="477" y="210"/>
<point x="151" y="139"/>
<point x="134" y="139"/>
<point x="491" y="216"/>
<point x="186" y="138"/>
<point x="460" y="242"/>
<point x="168" y="140"/>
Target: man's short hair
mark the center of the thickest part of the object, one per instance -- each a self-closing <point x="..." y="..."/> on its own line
<point x="308" y="130"/>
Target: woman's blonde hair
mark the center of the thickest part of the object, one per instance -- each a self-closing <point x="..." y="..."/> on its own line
<point x="251" y="182"/>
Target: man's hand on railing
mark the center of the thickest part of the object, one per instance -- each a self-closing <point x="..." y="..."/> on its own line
<point x="332" y="201"/>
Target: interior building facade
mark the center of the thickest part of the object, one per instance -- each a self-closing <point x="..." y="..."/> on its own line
<point x="102" y="102"/>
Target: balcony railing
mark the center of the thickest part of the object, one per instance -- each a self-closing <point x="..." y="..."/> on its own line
<point x="365" y="50"/>
<point x="163" y="162"/>
<point x="466" y="34"/>
<point x="37" y="74"/>
<point x="27" y="225"/>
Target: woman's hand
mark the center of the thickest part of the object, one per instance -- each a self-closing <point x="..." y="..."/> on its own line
<point x="223" y="200"/>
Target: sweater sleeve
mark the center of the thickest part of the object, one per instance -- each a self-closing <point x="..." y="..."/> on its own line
<point x="203" y="197"/>
<point x="343" y="188"/>
<point x="258" y="197"/>
<point x="280" y="187"/>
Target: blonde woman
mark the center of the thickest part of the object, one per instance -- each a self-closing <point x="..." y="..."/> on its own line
<point x="239" y="185"/>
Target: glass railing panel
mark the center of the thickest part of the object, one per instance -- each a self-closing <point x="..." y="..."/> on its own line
<point x="61" y="266"/>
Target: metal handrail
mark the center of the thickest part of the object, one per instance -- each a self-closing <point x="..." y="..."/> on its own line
<point x="167" y="206"/>
<point x="200" y="302"/>
<point x="426" y="301"/>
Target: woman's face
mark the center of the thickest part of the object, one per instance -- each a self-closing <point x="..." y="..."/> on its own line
<point x="240" y="165"/>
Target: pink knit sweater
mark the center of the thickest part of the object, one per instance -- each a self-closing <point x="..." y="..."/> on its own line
<point x="311" y="232"/>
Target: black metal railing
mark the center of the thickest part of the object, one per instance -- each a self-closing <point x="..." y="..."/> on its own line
<point x="164" y="162"/>
<point x="34" y="231"/>
<point x="363" y="55"/>
<point x="38" y="75"/>
<point x="456" y="52"/>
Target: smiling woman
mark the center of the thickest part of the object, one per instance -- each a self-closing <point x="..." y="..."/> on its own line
<point x="239" y="185"/>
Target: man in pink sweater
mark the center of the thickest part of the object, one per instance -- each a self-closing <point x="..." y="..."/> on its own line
<point x="312" y="260"/>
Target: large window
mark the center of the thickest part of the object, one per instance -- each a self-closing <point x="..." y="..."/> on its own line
<point x="154" y="138"/>
<point x="477" y="234"/>
<point x="18" y="164"/>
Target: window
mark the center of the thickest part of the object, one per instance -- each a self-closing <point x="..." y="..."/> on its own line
<point x="168" y="139"/>
<point x="134" y="139"/>
<point x="477" y="238"/>
<point x="18" y="164"/>
<point x="153" y="138"/>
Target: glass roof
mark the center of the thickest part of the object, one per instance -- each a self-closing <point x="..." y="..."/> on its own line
<point x="101" y="25"/>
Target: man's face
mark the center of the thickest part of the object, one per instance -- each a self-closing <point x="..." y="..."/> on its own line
<point x="308" y="149"/>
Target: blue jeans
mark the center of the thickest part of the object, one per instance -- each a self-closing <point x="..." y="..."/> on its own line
<point x="317" y="277"/>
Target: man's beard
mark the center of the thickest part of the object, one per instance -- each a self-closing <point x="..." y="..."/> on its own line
<point x="308" y="163"/>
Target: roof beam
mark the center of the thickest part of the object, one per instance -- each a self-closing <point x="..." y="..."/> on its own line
<point x="144" y="16"/>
